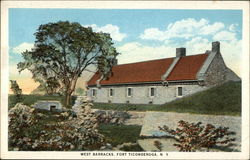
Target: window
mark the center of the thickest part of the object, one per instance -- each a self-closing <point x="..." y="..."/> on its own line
<point x="129" y="92"/>
<point x="179" y="91"/>
<point x="111" y="92"/>
<point x="152" y="92"/>
<point x="93" y="92"/>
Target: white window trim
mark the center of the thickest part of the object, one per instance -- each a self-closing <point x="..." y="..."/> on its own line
<point x="131" y="91"/>
<point x="92" y="92"/>
<point x="149" y="92"/>
<point x="110" y="92"/>
<point x="177" y="92"/>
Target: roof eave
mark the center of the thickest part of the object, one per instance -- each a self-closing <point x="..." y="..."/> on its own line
<point x="138" y="83"/>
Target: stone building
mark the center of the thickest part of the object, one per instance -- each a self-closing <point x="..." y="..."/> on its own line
<point x="49" y="105"/>
<point x="163" y="80"/>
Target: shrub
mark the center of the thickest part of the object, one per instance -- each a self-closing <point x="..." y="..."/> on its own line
<point x="27" y="133"/>
<point x="20" y="117"/>
<point x="112" y="117"/>
<point x="158" y="145"/>
<point x="192" y="136"/>
<point x="17" y="91"/>
<point x="133" y="147"/>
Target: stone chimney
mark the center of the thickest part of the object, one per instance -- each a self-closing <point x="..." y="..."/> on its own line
<point x="180" y="52"/>
<point x="216" y="46"/>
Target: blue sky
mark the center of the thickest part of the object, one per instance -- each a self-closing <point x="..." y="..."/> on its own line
<point x="24" y="22"/>
<point x="138" y="34"/>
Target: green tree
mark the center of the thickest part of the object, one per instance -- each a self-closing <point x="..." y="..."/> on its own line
<point x="48" y="86"/>
<point x="16" y="90"/>
<point x="63" y="50"/>
<point x="80" y="91"/>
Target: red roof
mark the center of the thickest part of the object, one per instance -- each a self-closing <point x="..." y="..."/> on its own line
<point x="151" y="71"/>
<point x="187" y="67"/>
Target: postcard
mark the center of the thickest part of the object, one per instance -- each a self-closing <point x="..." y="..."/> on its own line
<point x="125" y="80"/>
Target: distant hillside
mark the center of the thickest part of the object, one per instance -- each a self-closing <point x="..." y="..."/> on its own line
<point x="39" y="91"/>
<point x="223" y="99"/>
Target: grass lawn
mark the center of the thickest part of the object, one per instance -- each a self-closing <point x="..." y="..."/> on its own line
<point x="119" y="134"/>
<point x="219" y="100"/>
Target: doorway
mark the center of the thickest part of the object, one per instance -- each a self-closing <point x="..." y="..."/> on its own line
<point x="52" y="108"/>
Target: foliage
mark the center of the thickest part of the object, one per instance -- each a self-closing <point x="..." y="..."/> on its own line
<point x="50" y="84"/>
<point x="112" y="117"/>
<point x="136" y="147"/>
<point x="63" y="50"/>
<point x="219" y="100"/>
<point x="119" y="134"/>
<point x="31" y="130"/>
<point x="158" y="145"/>
<point x="191" y="137"/>
<point x="17" y="91"/>
<point x="80" y="91"/>
<point x="20" y="118"/>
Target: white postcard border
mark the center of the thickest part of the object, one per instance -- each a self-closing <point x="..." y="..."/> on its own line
<point x="242" y="5"/>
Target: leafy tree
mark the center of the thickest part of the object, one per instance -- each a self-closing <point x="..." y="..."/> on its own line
<point x="80" y="91"/>
<point x="16" y="90"/>
<point x="192" y="136"/>
<point x="63" y="50"/>
<point x="51" y="85"/>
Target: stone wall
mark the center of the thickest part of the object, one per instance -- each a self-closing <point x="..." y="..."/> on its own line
<point x="141" y="94"/>
<point x="218" y="72"/>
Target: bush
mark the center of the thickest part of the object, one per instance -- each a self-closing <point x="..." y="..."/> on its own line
<point x="191" y="137"/>
<point x="20" y="118"/>
<point x="135" y="147"/>
<point x="112" y="117"/>
<point x="17" y="92"/>
<point x="29" y="131"/>
<point x="119" y="134"/>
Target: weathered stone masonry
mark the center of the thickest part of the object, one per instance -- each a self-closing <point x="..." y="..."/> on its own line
<point x="141" y="94"/>
<point x="218" y="72"/>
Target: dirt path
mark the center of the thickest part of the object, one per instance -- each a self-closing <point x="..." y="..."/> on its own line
<point x="136" y="118"/>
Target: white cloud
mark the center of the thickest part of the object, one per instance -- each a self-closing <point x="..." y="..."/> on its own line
<point x="232" y="27"/>
<point x="135" y="52"/>
<point x="23" y="47"/>
<point x="232" y="54"/>
<point x="109" y="28"/>
<point x="224" y="35"/>
<point x="211" y="29"/>
<point x="185" y="28"/>
<point x="154" y="34"/>
<point x="197" y="45"/>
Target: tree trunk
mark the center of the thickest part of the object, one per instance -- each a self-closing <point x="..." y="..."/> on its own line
<point x="69" y="91"/>
<point x="67" y="99"/>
